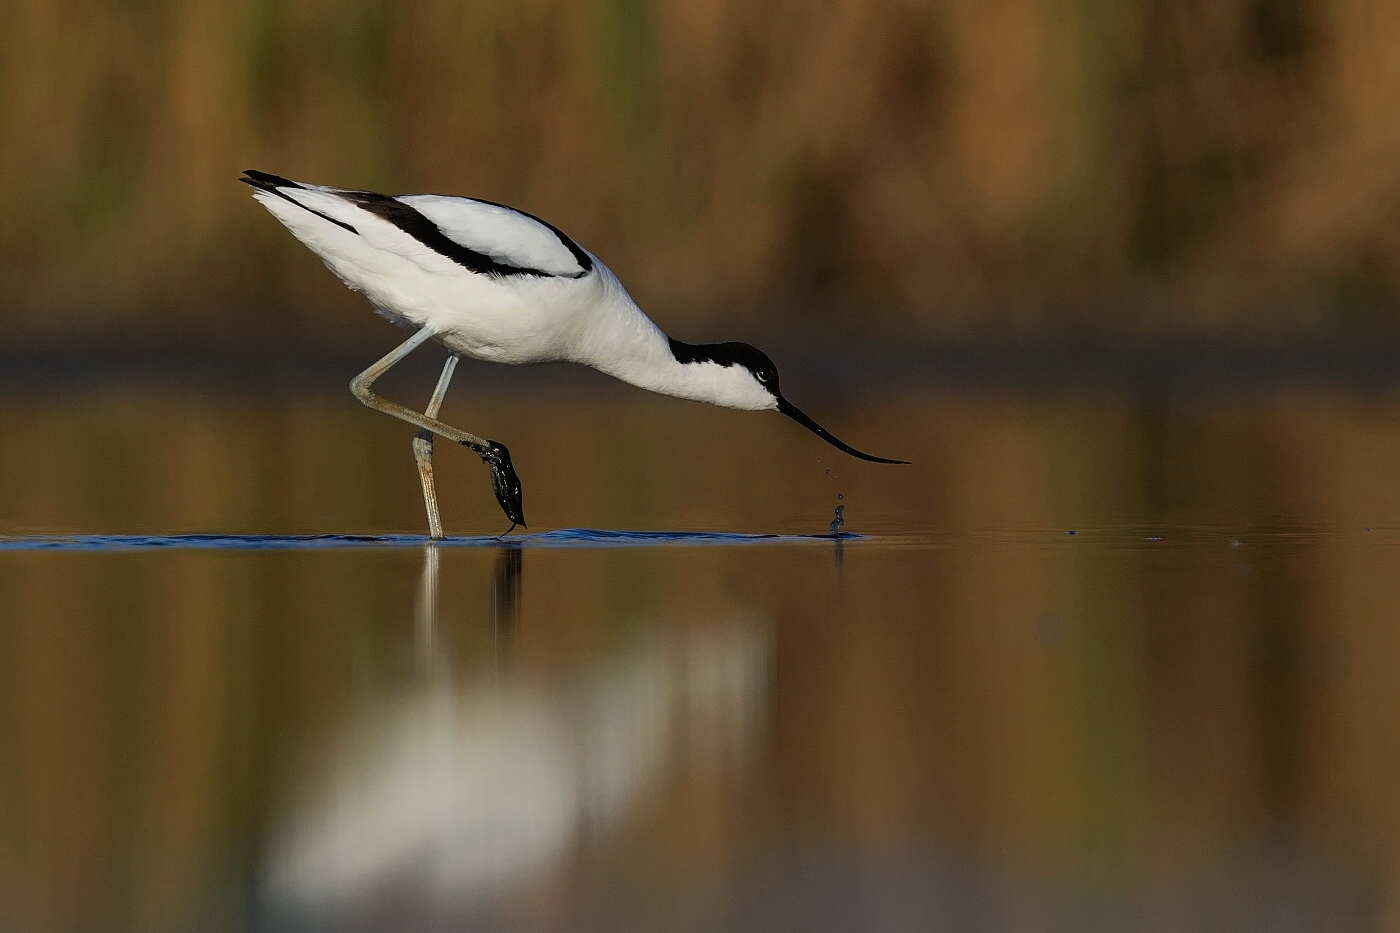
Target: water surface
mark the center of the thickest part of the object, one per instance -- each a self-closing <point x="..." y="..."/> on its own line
<point x="1099" y="659"/>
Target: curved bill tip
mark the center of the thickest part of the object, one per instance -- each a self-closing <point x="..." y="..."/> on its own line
<point x="798" y="415"/>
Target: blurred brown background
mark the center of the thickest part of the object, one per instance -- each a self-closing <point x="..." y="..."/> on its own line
<point x="864" y="168"/>
<point x="1119" y="655"/>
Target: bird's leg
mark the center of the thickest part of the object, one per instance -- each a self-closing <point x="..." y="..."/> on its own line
<point x="495" y="455"/>
<point x="423" y="450"/>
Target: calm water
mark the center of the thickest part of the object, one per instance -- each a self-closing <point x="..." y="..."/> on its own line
<point x="1099" y="660"/>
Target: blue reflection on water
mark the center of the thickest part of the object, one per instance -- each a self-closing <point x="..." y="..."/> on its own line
<point x="561" y="538"/>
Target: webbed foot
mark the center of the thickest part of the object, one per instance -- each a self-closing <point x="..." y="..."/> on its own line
<point x="505" y="482"/>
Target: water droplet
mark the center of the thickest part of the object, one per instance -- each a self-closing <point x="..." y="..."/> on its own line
<point x="838" y="520"/>
<point x="1071" y="532"/>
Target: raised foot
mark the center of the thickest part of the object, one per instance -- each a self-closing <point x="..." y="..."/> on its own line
<point x="505" y="482"/>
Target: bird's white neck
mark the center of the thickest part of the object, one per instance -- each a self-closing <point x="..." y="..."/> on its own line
<point x="626" y="344"/>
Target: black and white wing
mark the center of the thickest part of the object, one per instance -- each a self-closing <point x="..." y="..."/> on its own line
<point x="518" y="242"/>
<point x="480" y="236"/>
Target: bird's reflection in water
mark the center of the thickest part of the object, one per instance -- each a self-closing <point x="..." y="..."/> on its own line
<point x="425" y="612"/>
<point x="464" y="789"/>
<point x="505" y="590"/>
<point x="505" y="606"/>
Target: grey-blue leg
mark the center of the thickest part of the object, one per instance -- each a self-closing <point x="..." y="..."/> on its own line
<point x="495" y="455"/>
<point x="423" y="449"/>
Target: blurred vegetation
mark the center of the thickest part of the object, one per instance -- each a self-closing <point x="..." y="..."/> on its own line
<point x="882" y="168"/>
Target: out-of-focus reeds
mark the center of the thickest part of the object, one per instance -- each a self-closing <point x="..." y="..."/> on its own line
<point x="874" y="167"/>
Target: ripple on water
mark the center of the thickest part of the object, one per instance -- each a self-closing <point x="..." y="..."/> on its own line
<point x="561" y="538"/>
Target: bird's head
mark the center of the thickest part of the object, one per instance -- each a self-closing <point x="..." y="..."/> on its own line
<point x="744" y="377"/>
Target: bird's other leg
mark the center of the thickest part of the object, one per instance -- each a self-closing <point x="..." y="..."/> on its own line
<point x="495" y="455"/>
<point x="423" y="450"/>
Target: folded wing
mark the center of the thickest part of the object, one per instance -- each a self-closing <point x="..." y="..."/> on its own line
<point x="513" y="238"/>
<point x="481" y="236"/>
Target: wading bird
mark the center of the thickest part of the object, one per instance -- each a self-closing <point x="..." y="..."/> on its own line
<point x="498" y="284"/>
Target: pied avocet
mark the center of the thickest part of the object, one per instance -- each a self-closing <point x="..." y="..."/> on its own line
<point x="498" y="284"/>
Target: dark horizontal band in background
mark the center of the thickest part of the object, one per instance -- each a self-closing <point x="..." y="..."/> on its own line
<point x="1167" y="367"/>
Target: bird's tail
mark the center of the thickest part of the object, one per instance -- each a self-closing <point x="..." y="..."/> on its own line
<point x="266" y="181"/>
<point x="279" y="187"/>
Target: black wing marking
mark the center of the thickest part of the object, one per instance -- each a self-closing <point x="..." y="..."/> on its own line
<point x="273" y="184"/>
<point x="411" y="221"/>
<point x="268" y="181"/>
<point x="584" y="260"/>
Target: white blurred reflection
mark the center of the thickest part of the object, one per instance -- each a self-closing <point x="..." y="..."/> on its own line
<point x="459" y="791"/>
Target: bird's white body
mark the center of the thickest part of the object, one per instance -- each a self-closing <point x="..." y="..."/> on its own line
<point x="565" y="305"/>
<point x="497" y="284"/>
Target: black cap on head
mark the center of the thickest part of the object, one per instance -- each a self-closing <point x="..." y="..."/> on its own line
<point x="730" y="354"/>
<point x="757" y="362"/>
